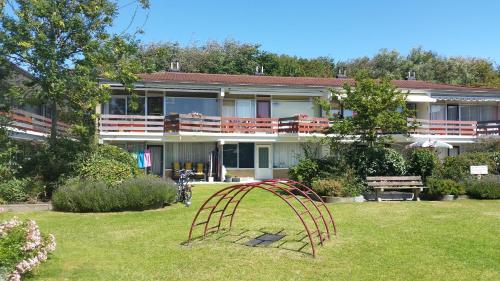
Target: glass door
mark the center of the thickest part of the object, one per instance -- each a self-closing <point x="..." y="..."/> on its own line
<point x="452" y="113"/>
<point x="155" y="106"/>
<point x="263" y="162"/>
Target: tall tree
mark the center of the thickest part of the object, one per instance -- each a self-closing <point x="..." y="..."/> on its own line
<point x="66" y="45"/>
<point x="380" y="110"/>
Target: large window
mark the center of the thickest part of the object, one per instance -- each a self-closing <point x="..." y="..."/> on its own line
<point x="438" y="112"/>
<point x="290" y="108"/>
<point x="155" y="106"/>
<point x="139" y="109"/>
<point x="118" y="105"/>
<point x="238" y="155"/>
<point x="205" y="106"/>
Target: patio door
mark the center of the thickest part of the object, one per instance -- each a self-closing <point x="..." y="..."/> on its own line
<point x="263" y="162"/>
<point x="263" y="109"/>
<point x="156" y="159"/>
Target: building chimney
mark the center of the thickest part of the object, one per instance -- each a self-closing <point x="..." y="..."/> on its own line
<point x="259" y="70"/>
<point x="411" y="76"/>
<point x="342" y="74"/>
<point x="175" y="66"/>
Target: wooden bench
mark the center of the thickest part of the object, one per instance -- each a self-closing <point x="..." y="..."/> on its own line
<point x="379" y="184"/>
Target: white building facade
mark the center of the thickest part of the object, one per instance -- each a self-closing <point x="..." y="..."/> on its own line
<point x="255" y="127"/>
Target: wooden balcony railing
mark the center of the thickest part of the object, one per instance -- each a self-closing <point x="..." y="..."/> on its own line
<point x="290" y="125"/>
<point x="131" y="124"/>
<point x="488" y="128"/>
<point x="444" y="127"/>
<point x="249" y="125"/>
<point x="29" y="121"/>
<point x="192" y="123"/>
<point x="303" y="124"/>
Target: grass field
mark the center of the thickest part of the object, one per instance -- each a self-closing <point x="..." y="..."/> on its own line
<point x="376" y="241"/>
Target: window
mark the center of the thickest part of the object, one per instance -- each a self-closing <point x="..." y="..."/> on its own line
<point x="230" y="156"/>
<point x="155" y="106"/>
<point x="238" y="155"/>
<point x="438" y="112"/>
<point x="455" y="151"/>
<point x="140" y="106"/>
<point x="263" y="157"/>
<point x="290" y="108"/>
<point x="246" y="155"/>
<point x="117" y="105"/>
<point x="205" y="106"/>
<point x="245" y="108"/>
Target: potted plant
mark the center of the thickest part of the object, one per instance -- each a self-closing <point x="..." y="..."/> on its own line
<point x="229" y="177"/>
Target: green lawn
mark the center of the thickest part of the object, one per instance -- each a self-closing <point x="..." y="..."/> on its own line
<point x="376" y="241"/>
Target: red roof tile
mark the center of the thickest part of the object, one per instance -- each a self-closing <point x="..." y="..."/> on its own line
<point x="228" y="79"/>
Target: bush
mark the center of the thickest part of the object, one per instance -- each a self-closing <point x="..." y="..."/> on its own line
<point x="20" y="190"/>
<point x="23" y="247"/>
<point x="375" y="161"/>
<point x="109" y="164"/>
<point x="305" y="171"/>
<point x="458" y="167"/>
<point x="347" y="186"/>
<point x="328" y="187"/>
<point x="436" y="188"/>
<point x="422" y="162"/>
<point x="141" y="193"/>
<point x="488" y="187"/>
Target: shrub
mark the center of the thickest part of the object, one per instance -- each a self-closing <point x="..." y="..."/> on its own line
<point x="23" y="247"/>
<point x="109" y="164"/>
<point x="375" y="161"/>
<point x="438" y="187"/>
<point x="20" y="190"/>
<point x="422" y="162"/>
<point x="141" y="193"/>
<point x="306" y="171"/>
<point x="327" y="187"/>
<point x="458" y="167"/>
<point x="488" y="187"/>
<point x="352" y="184"/>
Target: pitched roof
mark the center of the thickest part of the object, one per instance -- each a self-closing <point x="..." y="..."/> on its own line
<point x="230" y="79"/>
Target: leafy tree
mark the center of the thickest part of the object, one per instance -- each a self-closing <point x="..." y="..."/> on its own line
<point x="66" y="46"/>
<point x="380" y="110"/>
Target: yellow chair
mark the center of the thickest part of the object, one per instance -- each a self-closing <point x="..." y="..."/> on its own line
<point x="176" y="167"/>
<point x="188" y="165"/>
<point x="199" y="173"/>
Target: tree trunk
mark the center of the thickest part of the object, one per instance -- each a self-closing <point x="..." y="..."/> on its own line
<point x="53" y="128"/>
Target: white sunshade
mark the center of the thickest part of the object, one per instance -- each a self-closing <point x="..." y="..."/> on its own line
<point x="430" y="144"/>
<point x="419" y="98"/>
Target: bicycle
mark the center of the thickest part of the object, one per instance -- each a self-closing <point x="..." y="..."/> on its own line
<point x="184" y="188"/>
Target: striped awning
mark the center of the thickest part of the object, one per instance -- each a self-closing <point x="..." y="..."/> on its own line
<point x="468" y="98"/>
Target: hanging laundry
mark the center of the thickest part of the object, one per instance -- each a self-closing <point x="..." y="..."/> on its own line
<point x="140" y="159"/>
<point x="147" y="158"/>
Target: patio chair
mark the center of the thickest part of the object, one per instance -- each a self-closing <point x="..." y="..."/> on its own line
<point x="176" y="167"/>
<point x="188" y="165"/>
<point x="200" y="172"/>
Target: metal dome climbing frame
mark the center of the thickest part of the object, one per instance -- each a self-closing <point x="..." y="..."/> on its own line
<point x="220" y="209"/>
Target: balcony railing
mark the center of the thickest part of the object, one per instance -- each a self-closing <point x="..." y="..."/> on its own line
<point x="197" y="123"/>
<point x="488" y="128"/>
<point x="131" y="124"/>
<point x="28" y="121"/>
<point x="303" y="124"/>
<point x="444" y="127"/>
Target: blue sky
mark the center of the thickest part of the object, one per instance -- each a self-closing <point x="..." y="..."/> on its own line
<point x="340" y="29"/>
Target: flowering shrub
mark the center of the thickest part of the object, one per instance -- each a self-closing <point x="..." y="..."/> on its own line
<point x="22" y="247"/>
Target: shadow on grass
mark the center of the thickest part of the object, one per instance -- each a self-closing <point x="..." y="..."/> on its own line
<point x="294" y="241"/>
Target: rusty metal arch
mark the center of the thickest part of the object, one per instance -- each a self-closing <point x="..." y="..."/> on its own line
<point x="225" y="202"/>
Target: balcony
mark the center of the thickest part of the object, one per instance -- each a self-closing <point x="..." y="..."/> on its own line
<point x="197" y="123"/>
<point x="488" y="128"/>
<point x="33" y="123"/>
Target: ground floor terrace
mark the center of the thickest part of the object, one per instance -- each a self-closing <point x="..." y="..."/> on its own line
<point x="242" y="160"/>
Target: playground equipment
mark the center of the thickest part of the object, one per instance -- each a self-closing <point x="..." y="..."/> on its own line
<point x="222" y="205"/>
